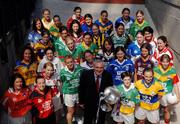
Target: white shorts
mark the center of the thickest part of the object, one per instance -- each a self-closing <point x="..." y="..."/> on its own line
<point x="165" y="99"/>
<point x="152" y="116"/>
<point x="71" y="99"/>
<point x="127" y="119"/>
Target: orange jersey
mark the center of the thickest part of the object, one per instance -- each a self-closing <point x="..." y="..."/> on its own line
<point x="17" y="104"/>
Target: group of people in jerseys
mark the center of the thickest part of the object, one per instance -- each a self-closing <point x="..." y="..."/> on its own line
<point x="67" y="67"/>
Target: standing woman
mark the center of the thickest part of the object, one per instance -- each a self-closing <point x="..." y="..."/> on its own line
<point x="139" y="24"/>
<point x="119" y="65"/>
<point x="167" y="76"/>
<point x="15" y="101"/>
<point x="46" y="19"/>
<point x="35" y="35"/>
<point x="162" y="48"/>
<point x="27" y="66"/>
<point x="76" y="32"/>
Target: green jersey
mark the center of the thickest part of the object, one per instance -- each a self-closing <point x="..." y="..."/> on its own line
<point x="167" y="78"/>
<point x="60" y="46"/>
<point x="64" y="52"/>
<point x="129" y="98"/>
<point x="120" y="41"/>
<point x="83" y="47"/>
<point x="135" y="27"/>
<point x="54" y="32"/>
<point x="70" y="80"/>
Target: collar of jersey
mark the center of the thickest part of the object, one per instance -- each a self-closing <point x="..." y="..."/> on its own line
<point x="140" y="25"/>
<point x="162" y="70"/>
<point x="66" y="69"/>
<point x="131" y="87"/>
<point x="152" y="82"/>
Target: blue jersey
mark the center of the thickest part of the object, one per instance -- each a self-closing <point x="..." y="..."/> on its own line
<point x="86" y="28"/>
<point x="126" y="24"/>
<point x="116" y="69"/>
<point x="133" y="50"/>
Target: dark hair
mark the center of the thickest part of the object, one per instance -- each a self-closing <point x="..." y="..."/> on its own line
<point x="164" y="39"/>
<point x="62" y="28"/>
<point x="165" y="56"/>
<point x="148" y="29"/>
<point x="87" y="33"/>
<point x="146" y="46"/>
<point x="39" y="77"/>
<point x="79" y="30"/>
<point x="104" y="11"/>
<point x="94" y="24"/>
<point x="125" y="9"/>
<point x="45" y="10"/>
<point x="88" y="16"/>
<point x="87" y="51"/>
<point x="120" y="48"/>
<point x="49" y="48"/>
<point x="139" y="11"/>
<point x="109" y="40"/>
<point x="126" y="74"/>
<point x="68" y="57"/>
<point x="32" y="53"/>
<point x="14" y="77"/>
<point x="119" y="24"/>
<point x="56" y="16"/>
<point x="45" y="32"/>
<point x="148" y="70"/>
<point x="140" y="32"/>
<point x="77" y="8"/>
<point x="34" y="24"/>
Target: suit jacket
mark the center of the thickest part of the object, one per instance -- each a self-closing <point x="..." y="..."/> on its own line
<point x="88" y="94"/>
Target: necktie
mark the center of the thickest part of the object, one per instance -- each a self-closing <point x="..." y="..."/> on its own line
<point x="97" y="83"/>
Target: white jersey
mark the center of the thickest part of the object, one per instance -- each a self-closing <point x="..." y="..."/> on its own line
<point x="56" y="62"/>
<point x="86" y="66"/>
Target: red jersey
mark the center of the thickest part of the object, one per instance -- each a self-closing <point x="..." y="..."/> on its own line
<point x="42" y="105"/>
<point x="17" y="104"/>
<point x="140" y="65"/>
<point x="166" y="50"/>
<point x="81" y="21"/>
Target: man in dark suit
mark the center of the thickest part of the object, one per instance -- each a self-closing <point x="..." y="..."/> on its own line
<point x="92" y="83"/>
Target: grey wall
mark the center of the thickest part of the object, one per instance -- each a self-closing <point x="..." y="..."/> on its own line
<point x="166" y="17"/>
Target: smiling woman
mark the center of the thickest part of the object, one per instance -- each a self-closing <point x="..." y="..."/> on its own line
<point x="112" y="1"/>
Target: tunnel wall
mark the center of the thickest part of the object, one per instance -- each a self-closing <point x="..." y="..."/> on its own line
<point x="166" y="17"/>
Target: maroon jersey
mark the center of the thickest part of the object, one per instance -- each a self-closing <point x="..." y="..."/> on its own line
<point x="140" y="65"/>
<point x="17" y="104"/>
<point x="42" y="105"/>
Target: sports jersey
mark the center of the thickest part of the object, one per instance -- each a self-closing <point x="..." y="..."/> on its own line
<point x="116" y="69"/>
<point x="153" y="44"/>
<point x="60" y="45"/>
<point x="85" y="65"/>
<point x="34" y="36"/>
<point x="162" y="76"/>
<point x="54" y="31"/>
<point x="64" y="52"/>
<point x="120" y="41"/>
<point x="83" y="47"/>
<point x="17" y="104"/>
<point x="70" y="80"/>
<point x="135" y="27"/>
<point x="104" y="28"/>
<point x="99" y="41"/>
<point x="46" y="24"/>
<point x="105" y="56"/>
<point x="133" y="50"/>
<point x="69" y="21"/>
<point x="127" y="24"/>
<point x="77" y="38"/>
<point x="140" y="65"/>
<point x="56" y="62"/>
<point x="27" y="71"/>
<point x="85" y="28"/>
<point x="129" y="98"/>
<point x="166" y="50"/>
<point x="39" y="48"/>
<point x="149" y="94"/>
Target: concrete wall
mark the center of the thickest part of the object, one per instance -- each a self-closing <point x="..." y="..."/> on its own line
<point x="166" y="17"/>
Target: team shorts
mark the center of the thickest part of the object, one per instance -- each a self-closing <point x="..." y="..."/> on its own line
<point x="71" y="99"/>
<point x="164" y="100"/>
<point x="152" y="116"/>
<point x="127" y="119"/>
